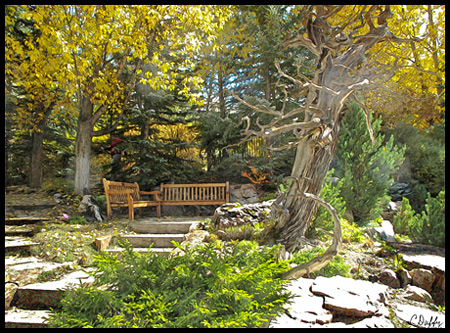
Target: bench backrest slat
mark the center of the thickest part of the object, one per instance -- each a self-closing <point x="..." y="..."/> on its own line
<point x="120" y="186"/>
<point x="195" y="192"/>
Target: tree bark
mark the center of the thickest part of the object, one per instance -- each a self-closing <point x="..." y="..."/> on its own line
<point x="37" y="150"/>
<point x="312" y="161"/>
<point x="222" y="106"/>
<point x="328" y="92"/>
<point x="267" y="83"/>
<point x="36" y="175"/>
<point x="83" y="148"/>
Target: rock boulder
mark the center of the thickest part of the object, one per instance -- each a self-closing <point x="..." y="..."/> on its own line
<point x="389" y="278"/>
<point x="244" y="194"/>
<point x="235" y="214"/>
<point x="422" y="278"/>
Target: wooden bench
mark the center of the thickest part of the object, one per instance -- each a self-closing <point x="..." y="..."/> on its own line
<point x="120" y="194"/>
<point x="127" y="194"/>
<point x="195" y="194"/>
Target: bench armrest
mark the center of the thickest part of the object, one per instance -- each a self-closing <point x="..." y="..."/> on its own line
<point x="149" y="192"/>
<point x="156" y="193"/>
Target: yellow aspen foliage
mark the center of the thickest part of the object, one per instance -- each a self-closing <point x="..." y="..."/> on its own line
<point x="100" y="50"/>
<point x="416" y="91"/>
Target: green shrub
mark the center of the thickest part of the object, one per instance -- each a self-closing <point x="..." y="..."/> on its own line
<point x="404" y="218"/>
<point x="425" y="156"/>
<point x="427" y="227"/>
<point x="77" y="219"/>
<point x="233" y="284"/>
<point x="101" y="199"/>
<point x="430" y="225"/>
<point x="365" y="169"/>
<point x="352" y="232"/>
<point x="243" y="232"/>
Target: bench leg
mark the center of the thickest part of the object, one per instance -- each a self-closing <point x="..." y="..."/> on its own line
<point x="130" y="207"/>
<point x="158" y="210"/>
<point x="131" y="213"/>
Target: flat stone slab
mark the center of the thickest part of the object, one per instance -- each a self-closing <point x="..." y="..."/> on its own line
<point x="25" y="220"/>
<point x="163" y="227"/>
<point x="20" y="264"/>
<point x="19" y="318"/>
<point x="426" y="261"/>
<point x="20" y="260"/>
<point x="12" y="243"/>
<point x="301" y="286"/>
<point x="19" y="230"/>
<point x="158" y="240"/>
<point x="372" y="322"/>
<point x="157" y="250"/>
<point x="349" y="305"/>
<point x="309" y="309"/>
<point x="349" y="297"/>
<point x="334" y="286"/>
<point x="44" y="295"/>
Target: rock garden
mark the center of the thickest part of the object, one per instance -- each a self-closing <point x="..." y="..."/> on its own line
<point x="372" y="282"/>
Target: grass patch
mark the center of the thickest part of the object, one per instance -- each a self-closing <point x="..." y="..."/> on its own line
<point x="61" y="242"/>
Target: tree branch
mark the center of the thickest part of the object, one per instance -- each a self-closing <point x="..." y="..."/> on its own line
<point x="323" y="259"/>
<point x="308" y="83"/>
<point x="271" y="112"/>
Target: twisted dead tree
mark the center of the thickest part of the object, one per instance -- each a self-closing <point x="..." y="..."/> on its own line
<point x="342" y="70"/>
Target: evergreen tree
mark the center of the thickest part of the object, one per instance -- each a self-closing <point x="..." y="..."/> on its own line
<point x="430" y="227"/>
<point x="367" y="168"/>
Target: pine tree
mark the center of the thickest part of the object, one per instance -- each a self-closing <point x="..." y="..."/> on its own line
<point x="430" y="227"/>
<point x="367" y="168"/>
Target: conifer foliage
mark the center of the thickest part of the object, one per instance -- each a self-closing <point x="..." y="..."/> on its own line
<point x="214" y="285"/>
<point x="367" y="169"/>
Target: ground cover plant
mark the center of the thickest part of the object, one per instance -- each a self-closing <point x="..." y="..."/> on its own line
<point x="234" y="284"/>
<point x="62" y="242"/>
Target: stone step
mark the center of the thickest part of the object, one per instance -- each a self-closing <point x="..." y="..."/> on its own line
<point x="46" y="295"/>
<point x="25" y="220"/>
<point x="157" y="250"/>
<point x="18" y="243"/>
<point x="19" y="230"/>
<point x="19" y="318"/>
<point x="157" y="227"/>
<point x="159" y="240"/>
<point x="25" y="263"/>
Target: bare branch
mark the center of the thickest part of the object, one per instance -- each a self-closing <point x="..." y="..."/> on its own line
<point x="308" y="83"/>
<point x="267" y="111"/>
<point x="299" y="40"/>
<point x="358" y="84"/>
<point x="314" y="123"/>
<point x="409" y="96"/>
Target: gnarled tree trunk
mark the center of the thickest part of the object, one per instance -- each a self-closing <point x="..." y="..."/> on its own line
<point x="312" y="161"/>
<point x="342" y="69"/>
<point x="333" y="83"/>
